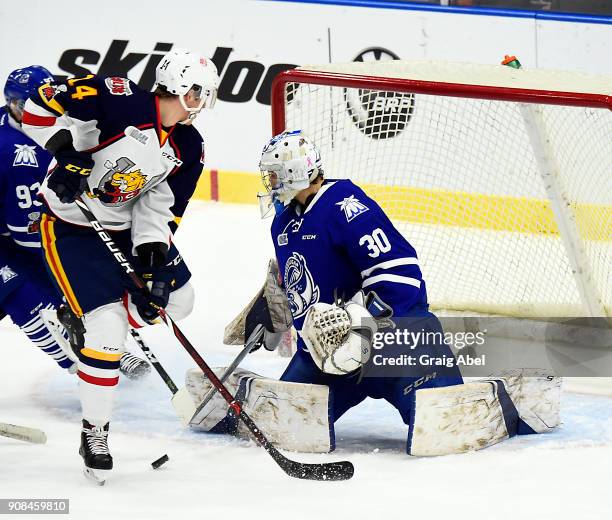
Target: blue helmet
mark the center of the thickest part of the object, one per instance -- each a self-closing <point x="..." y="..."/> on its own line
<point x="21" y="82"/>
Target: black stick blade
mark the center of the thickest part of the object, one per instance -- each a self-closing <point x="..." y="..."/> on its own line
<point x="342" y="470"/>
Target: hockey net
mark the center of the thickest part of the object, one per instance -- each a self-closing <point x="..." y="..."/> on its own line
<point x="500" y="178"/>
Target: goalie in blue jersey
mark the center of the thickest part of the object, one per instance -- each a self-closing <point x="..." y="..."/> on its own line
<point x="347" y="273"/>
<point x="351" y="285"/>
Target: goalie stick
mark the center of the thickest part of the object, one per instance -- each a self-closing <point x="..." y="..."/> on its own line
<point x="23" y="433"/>
<point x="342" y="470"/>
<point x="181" y="400"/>
<point x="255" y="336"/>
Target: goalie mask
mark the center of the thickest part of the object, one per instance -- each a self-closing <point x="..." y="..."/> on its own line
<point x="289" y="163"/>
<point x="180" y="72"/>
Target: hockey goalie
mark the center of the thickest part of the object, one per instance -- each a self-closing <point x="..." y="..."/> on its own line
<point x="343" y="274"/>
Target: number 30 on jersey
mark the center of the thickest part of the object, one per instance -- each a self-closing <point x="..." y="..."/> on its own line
<point x="376" y="243"/>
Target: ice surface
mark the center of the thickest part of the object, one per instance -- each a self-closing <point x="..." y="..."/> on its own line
<point x="561" y="475"/>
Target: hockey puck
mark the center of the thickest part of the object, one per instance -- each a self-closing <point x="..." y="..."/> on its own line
<point x="159" y="462"/>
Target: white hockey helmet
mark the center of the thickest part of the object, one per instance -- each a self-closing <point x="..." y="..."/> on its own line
<point x="289" y="163"/>
<point x="181" y="71"/>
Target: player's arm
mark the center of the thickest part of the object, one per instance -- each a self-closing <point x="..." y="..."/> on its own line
<point x="339" y="335"/>
<point x="183" y="183"/>
<point x="151" y="242"/>
<point x="387" y="263"/>
<point x="58" y="116"/>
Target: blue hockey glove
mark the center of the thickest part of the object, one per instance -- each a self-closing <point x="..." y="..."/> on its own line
<point x="159" y="281"/>
<point x="69" y="178"/>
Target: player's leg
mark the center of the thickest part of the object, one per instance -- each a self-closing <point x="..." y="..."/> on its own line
<point x="23" y="295"/>
<point x="23" y="306"/>
<point x="345" y="391"/>
<point x="399" y="385"/>
<point x="93" y="289"/>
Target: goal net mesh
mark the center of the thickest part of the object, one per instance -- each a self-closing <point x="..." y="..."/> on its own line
<point x="459" y="178"/>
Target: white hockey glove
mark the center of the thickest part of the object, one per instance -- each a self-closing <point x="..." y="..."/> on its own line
<point x="339" y="336"/>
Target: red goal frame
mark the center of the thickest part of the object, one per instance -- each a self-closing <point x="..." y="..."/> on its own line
<point x="548" y="97"/>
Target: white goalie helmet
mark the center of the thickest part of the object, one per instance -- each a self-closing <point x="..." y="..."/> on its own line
<point x="181" y="71"/>
<point x="289" y="163"/>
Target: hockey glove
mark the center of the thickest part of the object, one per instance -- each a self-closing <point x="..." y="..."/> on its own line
<point x="69" y="178"/>
<point x="159" y="281"/>
<point x="339" y="336"/>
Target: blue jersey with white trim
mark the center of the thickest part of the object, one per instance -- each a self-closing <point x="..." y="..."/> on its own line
<point x="23" y="165"/>
<point x="341" y="243"/>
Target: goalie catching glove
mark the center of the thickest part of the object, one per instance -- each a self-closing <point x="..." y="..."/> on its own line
<point x="339" y="336"/>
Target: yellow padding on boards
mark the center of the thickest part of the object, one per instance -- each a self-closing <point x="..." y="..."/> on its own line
<point x="439" y="207"/>
<point x="95" y="354"/>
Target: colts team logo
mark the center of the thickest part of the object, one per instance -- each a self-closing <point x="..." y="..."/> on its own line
<point x="119" y="185"/>
<point x="34" y="222"/>
<point x="49" y="91"/>
<point x="301" y="289"/>
<point x="25" y="155"/>
<point x="7" y="273"/>
<point x="118" y="86"/>
<point x="351" y="207"/>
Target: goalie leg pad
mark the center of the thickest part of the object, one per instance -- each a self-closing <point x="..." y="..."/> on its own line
<point x="472" y="416"/>
<point x="294" y="416"/>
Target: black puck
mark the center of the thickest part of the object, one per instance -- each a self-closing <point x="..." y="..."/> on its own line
<point x="160" y="462"/>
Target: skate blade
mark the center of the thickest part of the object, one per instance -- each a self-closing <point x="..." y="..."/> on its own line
<point x="96" y="475"/>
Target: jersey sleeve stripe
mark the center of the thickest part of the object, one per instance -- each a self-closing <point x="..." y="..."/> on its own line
<point x="391" y="278"/>
<point x="34" y="245"/>
<point x="35" y="120"/>
<point x="389" y="264"/>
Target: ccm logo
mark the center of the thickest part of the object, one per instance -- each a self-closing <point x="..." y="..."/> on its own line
<point x="171" y="158"/>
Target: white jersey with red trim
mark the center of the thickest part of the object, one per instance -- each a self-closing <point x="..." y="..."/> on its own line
<point x="119" y="124"/>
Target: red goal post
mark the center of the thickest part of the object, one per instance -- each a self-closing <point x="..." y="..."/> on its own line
<point x="501" y="178"/>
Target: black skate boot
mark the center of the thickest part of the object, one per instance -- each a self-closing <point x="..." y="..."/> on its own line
<point x="94" y="450"/>
<point x="133" y="367"/>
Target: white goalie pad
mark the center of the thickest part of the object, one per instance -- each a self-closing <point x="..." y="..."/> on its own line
<point x="293" y="416"/>
<point x="474" y="415"/>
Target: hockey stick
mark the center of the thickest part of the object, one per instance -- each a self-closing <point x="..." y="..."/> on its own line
<point x="250" y="344"/>
<point x="181" y="399"/>
<point x="23" y="433"/>
<point x="324" y="471"/>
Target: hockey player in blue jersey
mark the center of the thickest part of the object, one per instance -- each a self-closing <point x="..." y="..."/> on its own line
<point x="25" y="287"/>
<point x="347" y="273"/>
<point x="136" y="155"/>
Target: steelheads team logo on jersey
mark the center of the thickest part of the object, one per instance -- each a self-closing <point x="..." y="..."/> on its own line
<point x="120" y="184"/>
<point x="25" y="155"/>
<point x="299" y="284"/>
<point x="351" y="207"/>
<point x="7" y="273"/>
